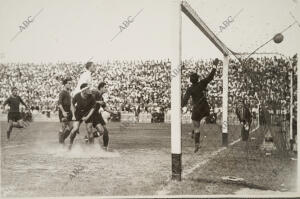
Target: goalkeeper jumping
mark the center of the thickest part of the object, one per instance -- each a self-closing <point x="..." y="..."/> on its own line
<point x="200" y="105"/>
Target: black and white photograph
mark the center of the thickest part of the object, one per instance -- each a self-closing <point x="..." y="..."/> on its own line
<point x="149" y="98"/>
<point x="238" y="99"/>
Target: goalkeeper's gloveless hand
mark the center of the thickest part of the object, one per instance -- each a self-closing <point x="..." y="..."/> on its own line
<point x="216" y="62"/>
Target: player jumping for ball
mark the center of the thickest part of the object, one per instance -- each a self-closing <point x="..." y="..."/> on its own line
<point x="64" y="113"/>
<point x="14" y="115"/>
<point x="84" y="106"/>
<point x="98" y="121"/>
<point x="200" y="105"/>
<point x="85" y="77"/>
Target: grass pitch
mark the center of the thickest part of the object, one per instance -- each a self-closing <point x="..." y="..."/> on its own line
<point x="138" y="162"/>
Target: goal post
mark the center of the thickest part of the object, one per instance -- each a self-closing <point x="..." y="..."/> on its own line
<point x="291" y="107"/>
<point x="183" y="6"/>
<point x="225" y="102"/>
<point x="298" y="120"/>
<point x="176" y="97"/>
<point x="200" y="24"/>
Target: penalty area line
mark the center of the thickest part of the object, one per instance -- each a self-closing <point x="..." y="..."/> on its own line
<point x="189" y="171"/>
<point x="166" y="189"/>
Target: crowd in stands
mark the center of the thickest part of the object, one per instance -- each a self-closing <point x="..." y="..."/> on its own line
<point x="144" y="86"/>
<point x="263" y="78"/>
<point x="134" y="86"/>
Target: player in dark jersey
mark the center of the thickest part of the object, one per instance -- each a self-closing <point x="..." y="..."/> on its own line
<point x="98" y="121"/>
<point x="64" y="113"/>
<point x="84" y="106"/>
<point x="200" y="105"/>
<point x="244" y="115"/>
<point x="14" y="115"/>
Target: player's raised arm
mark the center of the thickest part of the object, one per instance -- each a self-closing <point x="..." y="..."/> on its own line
<point x="211" y="75"/>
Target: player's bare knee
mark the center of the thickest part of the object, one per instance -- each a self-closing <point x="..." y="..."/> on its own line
<point x="100" y="128"/>
<point x="89" y="128"/>
<point x="74" y="130"/>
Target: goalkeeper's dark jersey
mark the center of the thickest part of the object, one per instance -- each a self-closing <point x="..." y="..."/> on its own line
<point x="197" y="90"/>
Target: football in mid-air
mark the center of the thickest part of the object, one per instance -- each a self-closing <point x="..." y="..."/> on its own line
<point x="278" y="38"/>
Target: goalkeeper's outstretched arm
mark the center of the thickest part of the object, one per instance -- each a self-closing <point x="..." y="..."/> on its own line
<point x="210" y="77"/>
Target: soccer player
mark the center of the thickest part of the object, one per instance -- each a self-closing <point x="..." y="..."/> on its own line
<point x="84" y="106"/>
<point x="85" y="77"/>
<point x="14" y="115"/>
<point x="200" y="105"/>
<point x="244" y="115"/>
<point x="64" y="113"/>
<point x="98" y="121"/>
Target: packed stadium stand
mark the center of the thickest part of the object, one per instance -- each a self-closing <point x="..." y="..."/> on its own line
<point x="144" y="86"/>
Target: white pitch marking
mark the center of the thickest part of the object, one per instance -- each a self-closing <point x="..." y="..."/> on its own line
<point x="234" y="142"/>
<point x="166" y="191"/>
<point x="14" y="146"/>
<point x="189" y="171"/>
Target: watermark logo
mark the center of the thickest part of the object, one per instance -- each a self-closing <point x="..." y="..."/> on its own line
<point x="76" y="171"/>
<point x="126" y="23"/>
<point x="175" y="71"/>
<point x="26" y="24"/>
<point x="228" y="22"/>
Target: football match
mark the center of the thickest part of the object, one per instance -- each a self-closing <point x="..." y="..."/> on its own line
<point x="149" y="98"/>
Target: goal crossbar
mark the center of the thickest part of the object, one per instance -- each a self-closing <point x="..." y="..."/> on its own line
<point x="193" y="16"/>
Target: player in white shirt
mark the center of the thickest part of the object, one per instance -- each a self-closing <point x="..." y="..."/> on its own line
<point x="85" y="77"/>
